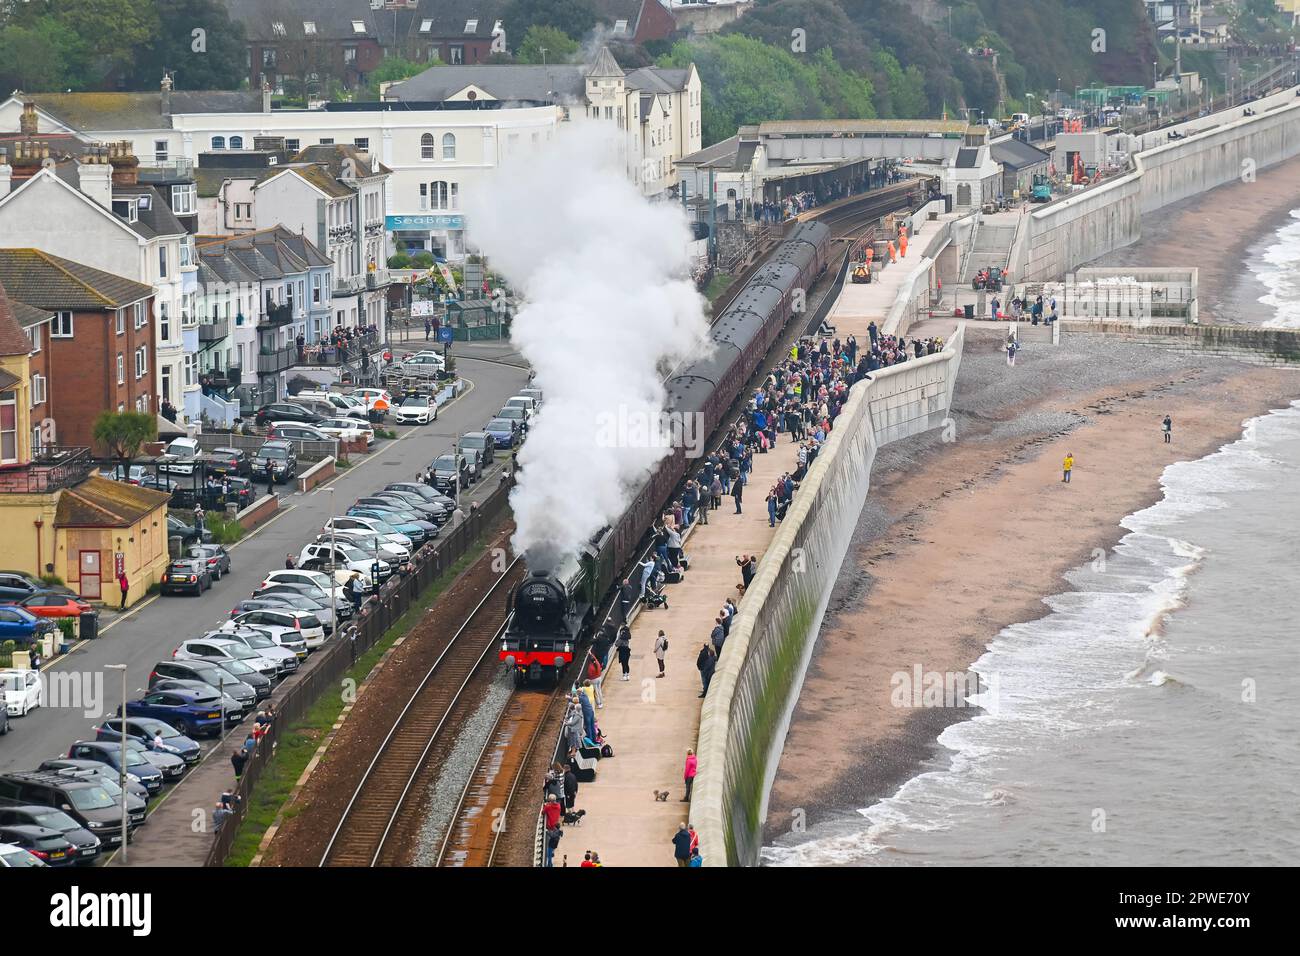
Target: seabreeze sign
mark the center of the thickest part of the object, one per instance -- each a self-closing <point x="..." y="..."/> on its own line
<point x="431" y="221"/>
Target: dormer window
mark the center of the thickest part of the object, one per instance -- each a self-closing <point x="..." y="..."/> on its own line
<point x="277" y="28"/>
<point x="358" y="26"/>
<point x="309" y="27"/>
<point x="426" y="26"/>
<point x="471" y="26"/>
<point x="620" y="27"/>
<point x="142" y="202"/>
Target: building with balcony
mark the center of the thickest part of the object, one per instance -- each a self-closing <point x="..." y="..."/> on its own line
<point x="58" y="517"/>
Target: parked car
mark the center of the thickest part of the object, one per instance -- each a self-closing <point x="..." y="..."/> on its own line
<point x="448" y="471"/>
<point x="418" y="530"/>
<point x="106" y="753"/>
<point x="23" y="691"/>
<point x="286" y="412"/>
<point x="296" y="576"/>
<point x="215" y="677"/>
<point x="21" y="626"/>
<point x="53" y="818"/>
<point x="222" y="651"/>
<point x="55" y="604"/>
<point x="373" y="571"/>
<point x="137" y="794"/>
<point x="180" y="459"/>
<point x="258" y="640"/>
<point x="534" y="393"/>
<point x="377" y="400"/>
<point x="339" y="405"/>
<point x="524" y="402"/>
<point x="398" y="511"/>
<point x="293" y="601"/>
<point x="187" y="713"/>
<point x="427" y="492"/>
<point x="367" y="541"/>
<point x="49" y="846"/>
<point x="81" y="795"/>
<point x="417" y="410"/>
<point x="236" y="709"/>
<point x="16" y="585"/>
<point x="348" y="429"/>
<point x="435" y="510"/>
<point x="241" y="492"/>
<point x="171" y="766"/>
<point x="131" y="474"/>
<point x="371" y="525"/>
<point x="312" y="592"/>
<point x="149" y="730"/>
<point x="474" y="463"/>
<point x="292" y="431"/>
<point x="227" y="462"/>
<point x="176" y="528"/>
<point x="215" y="556"/>
<point x="503" y="431"/>
<point x="186" y="576"/>
<point x="276" y="459"/>
<point x="517" y="415"/>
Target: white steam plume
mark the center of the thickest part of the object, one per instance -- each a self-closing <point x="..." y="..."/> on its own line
<point x="604" y="276"/>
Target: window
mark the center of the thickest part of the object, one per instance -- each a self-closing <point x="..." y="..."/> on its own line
<point x="165" y="389"/>
<point x="162" y="262"/>
<point x="358" y="26"/>
<point x="38" y="390"/>
<point x="34" y="337"/>
<point x="236" y="142"/>
<point x="291" y="145"/>
<point x="218" y="142"/>
<point x="315" y="287"/>
<point x="448" y="146"/>
<point x="426" y="26"/>
<point x="141" y="315"/>
<point x="268" y="58"/>
<point x="424" y="196"/>
<point x="349" y="54"/>
<point x="620" y="27"/>
<point x="426" y="146"/>
<point x="121" y="370"/>
<point x="121" y="321"/>
<point x="309" y="27"/>
<point x="187" y="253"/>
<point x="62" y="326"/>
<point x="160" y="151"/>
<point x="442" y="195"/>
<point x="164" y="322"/>
<point x="8" y="428"/>
<point x="277" y="28"/>
<point x="141" y="362"/>
<point x="327" y="141"/>
<point x="609" y="112"/>
<point x="362" y="143"/>
<point x="191" y="370"/>
<point x="243" y="210"/>
<point x="455" y="54"/>
<point x="185" y="200"/>
<point x="471" y="26"/>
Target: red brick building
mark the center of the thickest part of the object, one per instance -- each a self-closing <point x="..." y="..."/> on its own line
<point x="96" y="341"/>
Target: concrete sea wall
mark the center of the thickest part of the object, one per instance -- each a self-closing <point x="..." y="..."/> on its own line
<point x="745" y="717"/>
<point x="1246" y="343"/>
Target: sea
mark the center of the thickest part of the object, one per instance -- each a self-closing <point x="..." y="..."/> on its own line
<point x="1152" y="717"/>
<point x="1277" y="267"/>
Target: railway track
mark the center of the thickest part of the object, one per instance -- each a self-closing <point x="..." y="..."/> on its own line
<point x="434" y="710"/>
<point x="847" y="220"/>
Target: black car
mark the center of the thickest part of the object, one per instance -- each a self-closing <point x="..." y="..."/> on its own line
<point x="241" y="491"/>
<point x="137" y="794"/>
<point x="176" y="528"/>
<point x="227" y="462"/>
<point x="52" y="818"/>
<point x="241" y="690"/>
<point x="447" y="470"/>
<point x="186" y="576"/>
<point x="287" y="412"/>
<point x="80" y="795"/>
<point x="44" y="843"/>
<point x="276" y="459"/>
<point x="111" y="754"/>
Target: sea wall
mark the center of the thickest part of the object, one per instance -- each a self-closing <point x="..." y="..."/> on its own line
<point x="1071" y="232"/>
<point x="1246" y="343"/>
<point x="752" y="695"/>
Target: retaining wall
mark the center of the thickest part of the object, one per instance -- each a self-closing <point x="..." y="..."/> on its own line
<point x="752" y="695"/>
<point x="259" y="512"/>
<point x="1246" y="343"/>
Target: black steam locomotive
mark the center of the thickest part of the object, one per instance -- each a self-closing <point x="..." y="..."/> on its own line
<point x="554" y="612"/>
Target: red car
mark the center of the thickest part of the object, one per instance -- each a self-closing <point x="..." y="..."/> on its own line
<point x="54" y="604"/>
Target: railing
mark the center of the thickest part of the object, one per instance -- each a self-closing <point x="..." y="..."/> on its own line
<point x="305" y="449"/>
<point x="349" y="286"/>
<point x="377" y="279"/>
<point x="278" y="315"/>
<point x="220" y="412"/>
<point x="279" y="360"/>
<point x="53" y="467"/>
<point x="179" y="168"/>
<point x="214" y="331"/>
<point x="327" y="667"/>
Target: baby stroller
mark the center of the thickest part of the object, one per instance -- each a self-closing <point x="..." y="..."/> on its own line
<point x="654" y="593"/>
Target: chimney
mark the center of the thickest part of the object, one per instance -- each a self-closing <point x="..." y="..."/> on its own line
<point x="121" y="156"/>
<point x="95" y="177"/>
<point x="6" y="173"/>
<point x="27" y="123"/>
<point x="167" y="94"/>
<point x="266" y="95"/>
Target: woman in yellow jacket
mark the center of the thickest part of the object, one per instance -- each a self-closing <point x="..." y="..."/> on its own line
<point x="1067" y="466"/>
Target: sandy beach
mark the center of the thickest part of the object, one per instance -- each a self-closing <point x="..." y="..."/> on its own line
<point x="1217" y="232"/>
<point x="961" y="539"/>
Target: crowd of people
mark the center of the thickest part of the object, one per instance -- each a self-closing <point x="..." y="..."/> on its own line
<point x="342" y="343"/>
<point x="1038" y="310"/>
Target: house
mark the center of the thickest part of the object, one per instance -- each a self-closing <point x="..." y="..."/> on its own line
<point x="58" y="517"/>
<point x="1020" y="163"/>
<point x="91" y="207"/>
<point x="732" y="170"/>
<point x="633" y="21"/>
<point x="297" y="47"/>
<point x="99" y="348"/>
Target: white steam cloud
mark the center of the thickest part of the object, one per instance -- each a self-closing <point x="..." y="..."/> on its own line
<point x="604" y="276"/>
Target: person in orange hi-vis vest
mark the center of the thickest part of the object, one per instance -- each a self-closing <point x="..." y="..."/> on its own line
<point x="893" y="253"/>
<point x="902" y="245"/>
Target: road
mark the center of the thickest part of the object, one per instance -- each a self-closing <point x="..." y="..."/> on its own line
<point x="150" y="632"/>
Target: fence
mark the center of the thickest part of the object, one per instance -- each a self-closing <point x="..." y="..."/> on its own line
<point x="328" y="666"/>
<point x="306" y="450"/>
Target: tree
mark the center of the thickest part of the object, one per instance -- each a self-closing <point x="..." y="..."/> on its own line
<point x="559" y="47"/>
<point x="393" y="69"/>
<point x="114" y="31"/>
<point x="212" y="59"/>
<point x="575" y="18"/>
<point x="32" y="57"/>
<point x="123" y="433"/>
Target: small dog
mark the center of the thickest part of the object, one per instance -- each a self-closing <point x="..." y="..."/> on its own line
<point x="661" y="796"/>
<point x="573" y="818"/>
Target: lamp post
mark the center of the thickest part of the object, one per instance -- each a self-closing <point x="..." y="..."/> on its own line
<point x="121" y="770"/>
<point x="334" y="579"/>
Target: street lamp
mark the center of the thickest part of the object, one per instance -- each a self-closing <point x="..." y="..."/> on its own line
<point x="334" y="578"/>
<point x="121" y="772"/>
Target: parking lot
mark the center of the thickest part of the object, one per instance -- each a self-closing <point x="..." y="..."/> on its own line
<point x="150" y="632"/>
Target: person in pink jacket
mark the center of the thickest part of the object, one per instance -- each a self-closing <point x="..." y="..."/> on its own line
<point x="688" y="774"/>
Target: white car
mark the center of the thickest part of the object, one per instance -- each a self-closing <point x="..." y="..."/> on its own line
<point x="418" y="410"/>
<point x="15" y="857"/>
<point x="522" y="401"/>
<point x="297" y="431"/>
<point x="23" y="690"/>
<point x="375" y="398"/>
<point x="367" y="541"/>
<point x="347" y="429"/>
<point x="381" y="528"/>
<point x="346" y="557"/>
<point x="260" y="641"/>
<point x="219" y="651"/>
<point x="275" y="621"/>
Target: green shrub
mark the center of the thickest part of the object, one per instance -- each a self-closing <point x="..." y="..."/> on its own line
<point x="7" y="653"/>
<point x="399" y="261"/>
<point x="224" y="531"/>
<point x="68" y="629"/>
<point x="423" y="260"/>
<point x="52" y="579"/>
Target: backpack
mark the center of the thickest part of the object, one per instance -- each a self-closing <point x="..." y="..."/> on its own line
<point x="665" y="643"/>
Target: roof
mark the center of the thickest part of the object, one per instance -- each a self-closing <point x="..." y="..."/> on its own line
<point x="52" y="282"/>
<point x="121" y="111"/>
<point x="8" y="380"/>
<point x="315" y="176"/>
<point x="158" y="219"/>
<point x="13" y="340"/>
<point x="967" y="157"/>
<point x="266" y="254"/>
<point x="551" y="83"/>
<point x="654" y="79"/>
<point x="720" y="155"/>
<point x="336" y="156"/>
<point x="332" y="18"/>
<point x="604" y="64"/>
<point x="868" y="127"/>
<point x="100" y="503"/>
<point x="208" y="179"/>
<point x="1014" y="154"/>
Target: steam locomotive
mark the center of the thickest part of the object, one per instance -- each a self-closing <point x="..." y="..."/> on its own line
<point x="554" y="611"/>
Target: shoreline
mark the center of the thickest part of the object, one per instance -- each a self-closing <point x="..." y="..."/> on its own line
<point x="1010" y="530"/>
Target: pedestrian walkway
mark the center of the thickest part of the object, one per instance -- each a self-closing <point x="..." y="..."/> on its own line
<point x="651" y="722"/>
